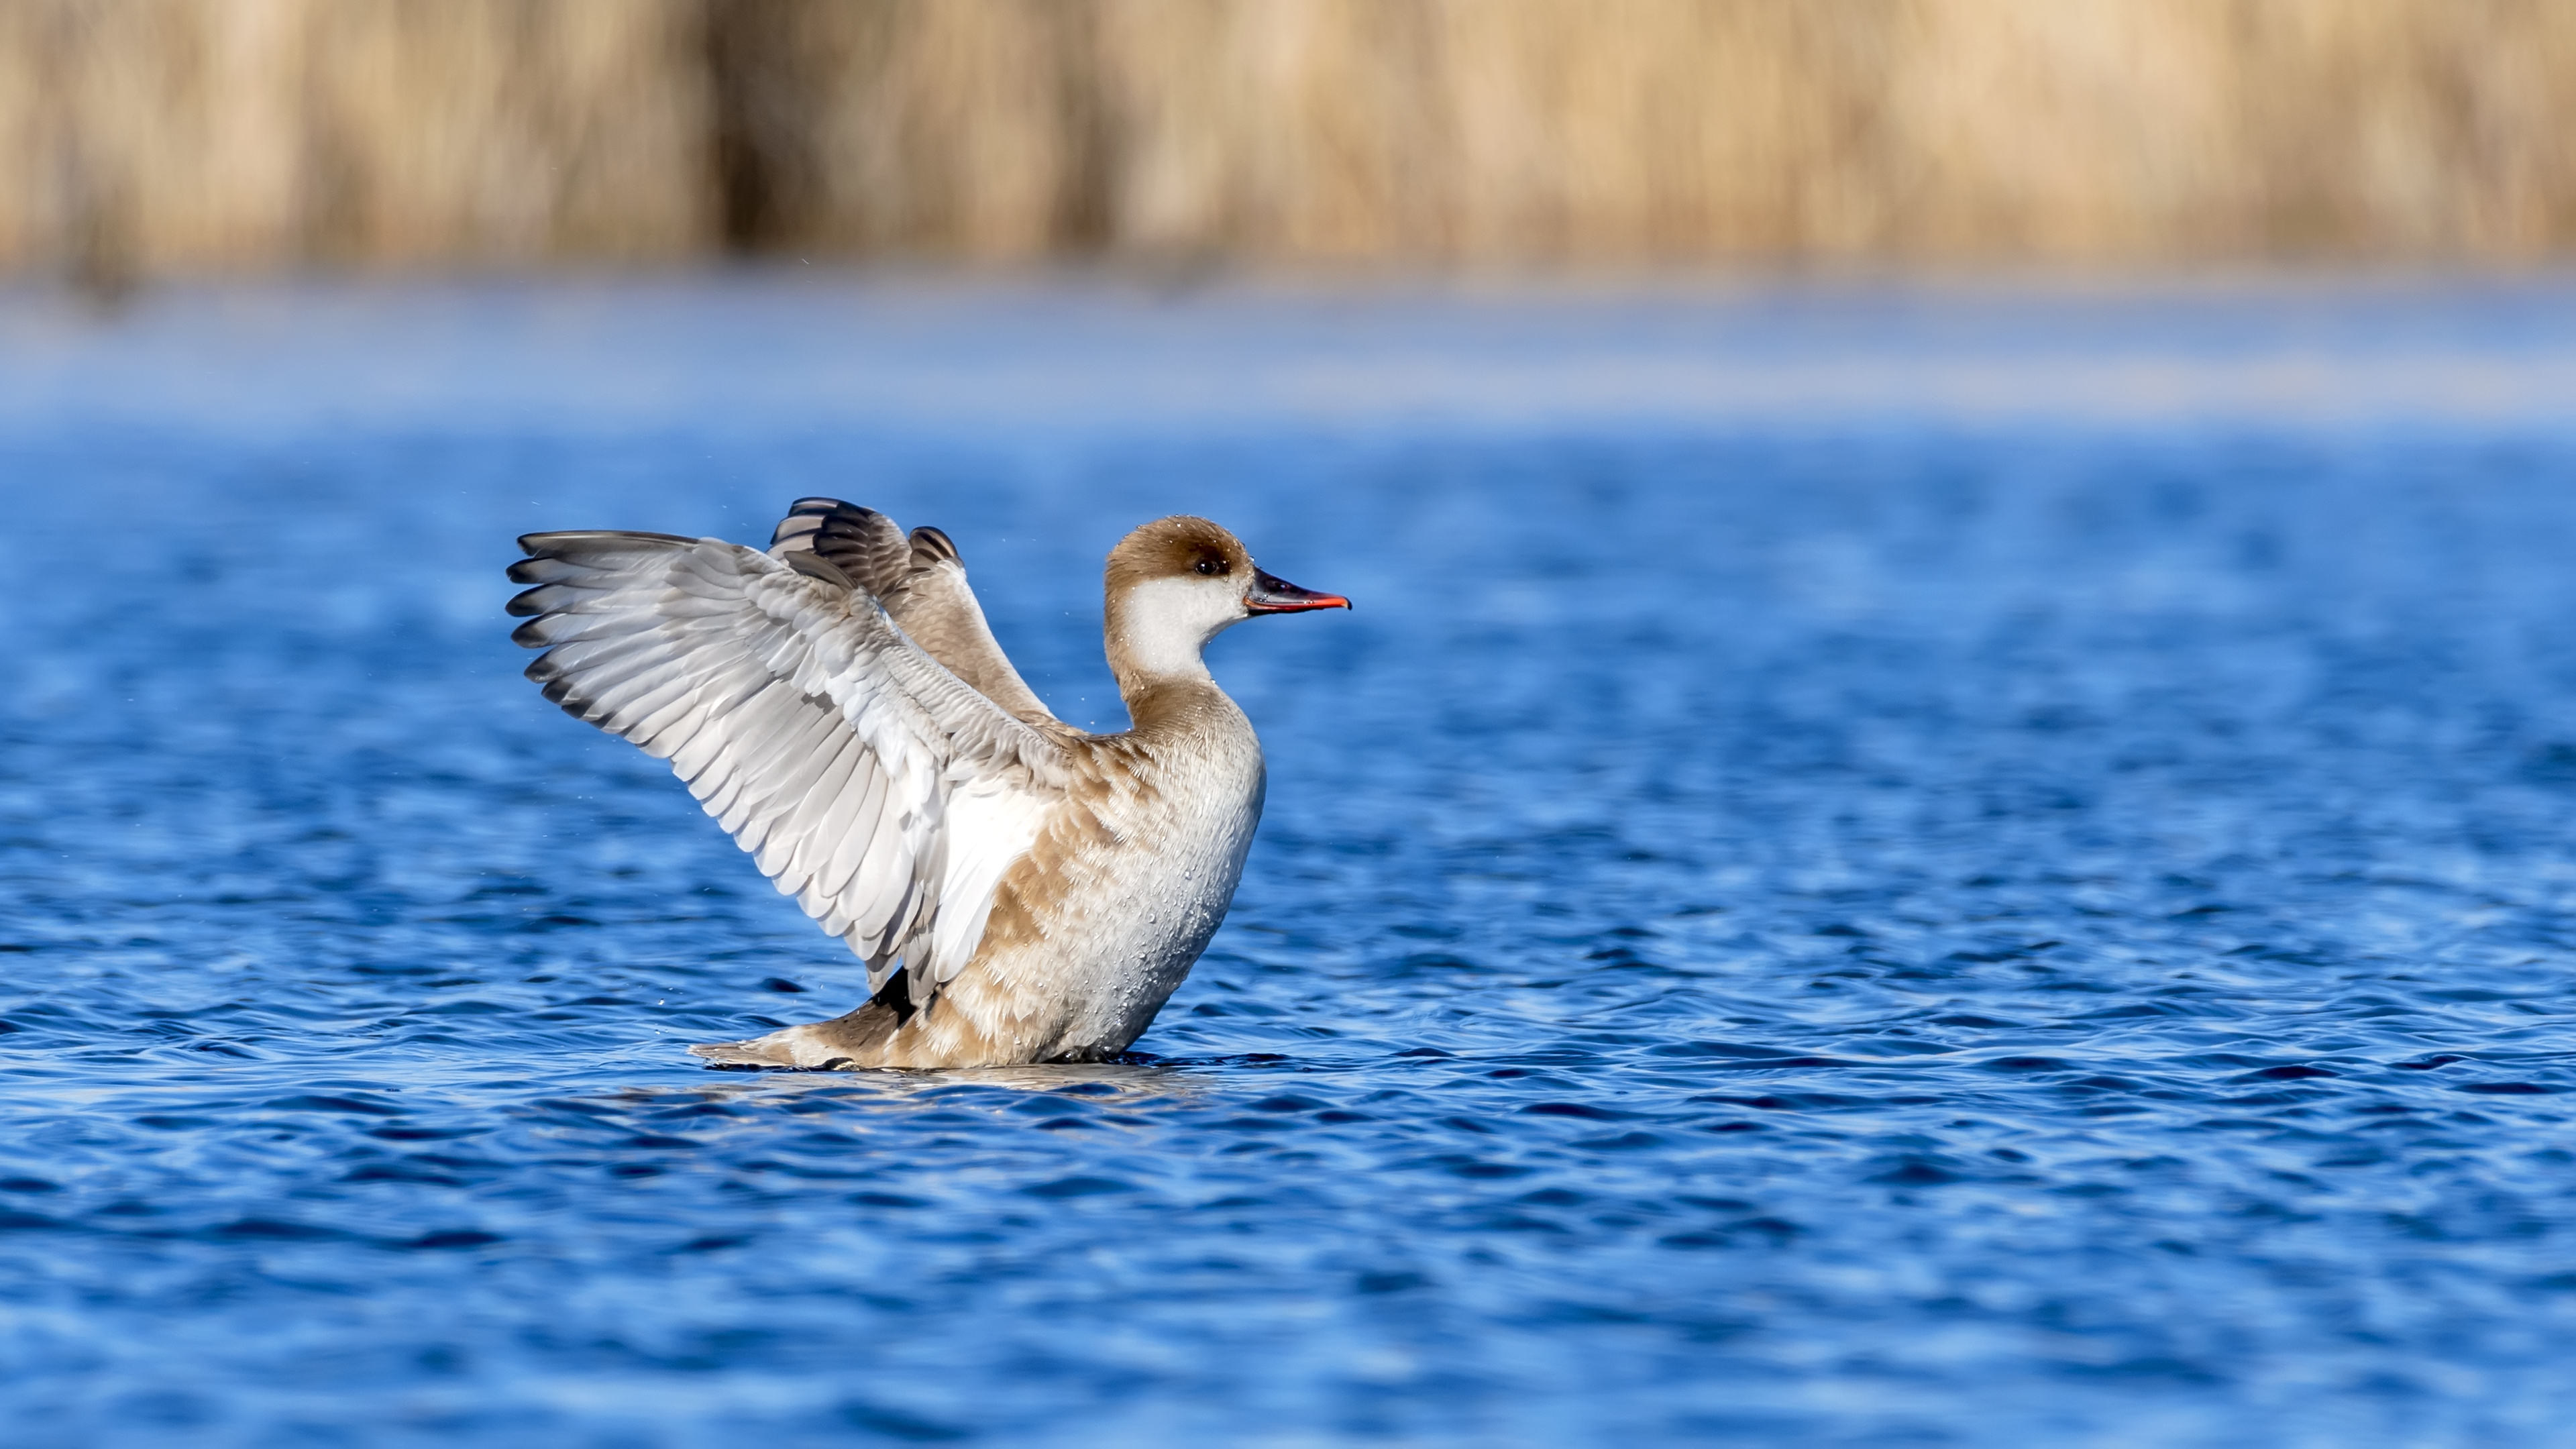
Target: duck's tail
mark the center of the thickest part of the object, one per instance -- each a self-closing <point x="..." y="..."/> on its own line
<point x="760" y="1051"/>
<point x="844" y="1043"/>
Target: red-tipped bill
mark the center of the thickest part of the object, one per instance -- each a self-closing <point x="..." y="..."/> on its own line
<point x="1271" y="594"/>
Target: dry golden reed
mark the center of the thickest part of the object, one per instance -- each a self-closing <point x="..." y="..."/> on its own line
<point x="204" y="134"/>
<point x="144" y="135"/>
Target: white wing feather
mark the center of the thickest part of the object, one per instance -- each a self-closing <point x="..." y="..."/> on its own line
<point x="870" y="783"/>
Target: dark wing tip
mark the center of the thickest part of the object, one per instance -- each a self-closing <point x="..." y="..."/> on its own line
<point x="807" y="517"/>
<point x="558" y="688"/>
<point x="862" y="545"/>
<point x="553" y="545"/>
<point x="931" y="546"/>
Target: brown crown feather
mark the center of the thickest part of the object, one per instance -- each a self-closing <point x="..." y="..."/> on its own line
<point x="1174" y="547"/>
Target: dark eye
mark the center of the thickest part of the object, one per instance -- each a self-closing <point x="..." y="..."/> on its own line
<point x="1211" y="565"/>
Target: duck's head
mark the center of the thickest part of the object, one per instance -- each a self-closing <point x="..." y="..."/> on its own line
<point x="1178" y="582"/>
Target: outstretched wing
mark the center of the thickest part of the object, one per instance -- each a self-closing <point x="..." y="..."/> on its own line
<point x="869" y="782"/>
<point x="920" y="581"/>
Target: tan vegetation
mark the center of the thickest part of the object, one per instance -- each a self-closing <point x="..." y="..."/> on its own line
<point x="214" y="134"/>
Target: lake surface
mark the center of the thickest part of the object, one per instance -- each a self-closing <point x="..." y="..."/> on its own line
<point x="2004" y="877"/>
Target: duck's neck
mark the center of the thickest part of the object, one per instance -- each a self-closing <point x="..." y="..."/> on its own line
<point x="1156" y="632"/>
<point x="1171" y="709"/>
<point x="1173" y="702"/>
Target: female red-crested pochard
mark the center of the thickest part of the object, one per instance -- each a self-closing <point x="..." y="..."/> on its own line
<point x="1021" y="890"/>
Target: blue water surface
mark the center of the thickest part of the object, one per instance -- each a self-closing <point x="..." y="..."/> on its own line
<point x="1870" y="931"/>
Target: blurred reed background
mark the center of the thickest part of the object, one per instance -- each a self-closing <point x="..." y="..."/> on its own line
<point x="141" y="137"/>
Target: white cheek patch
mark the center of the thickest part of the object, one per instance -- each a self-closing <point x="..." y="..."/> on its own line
<point x="1166" y="622"/>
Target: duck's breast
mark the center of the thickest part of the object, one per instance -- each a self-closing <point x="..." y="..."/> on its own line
<point x="1102" y="920"/>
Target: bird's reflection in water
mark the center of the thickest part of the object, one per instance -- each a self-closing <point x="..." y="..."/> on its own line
<point x="848" y="1095"/>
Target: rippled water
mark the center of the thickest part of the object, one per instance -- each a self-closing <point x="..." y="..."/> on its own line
<point x="1872" y="932"/>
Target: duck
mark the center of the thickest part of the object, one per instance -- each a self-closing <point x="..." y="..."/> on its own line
<point x="1020" y="890"/>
